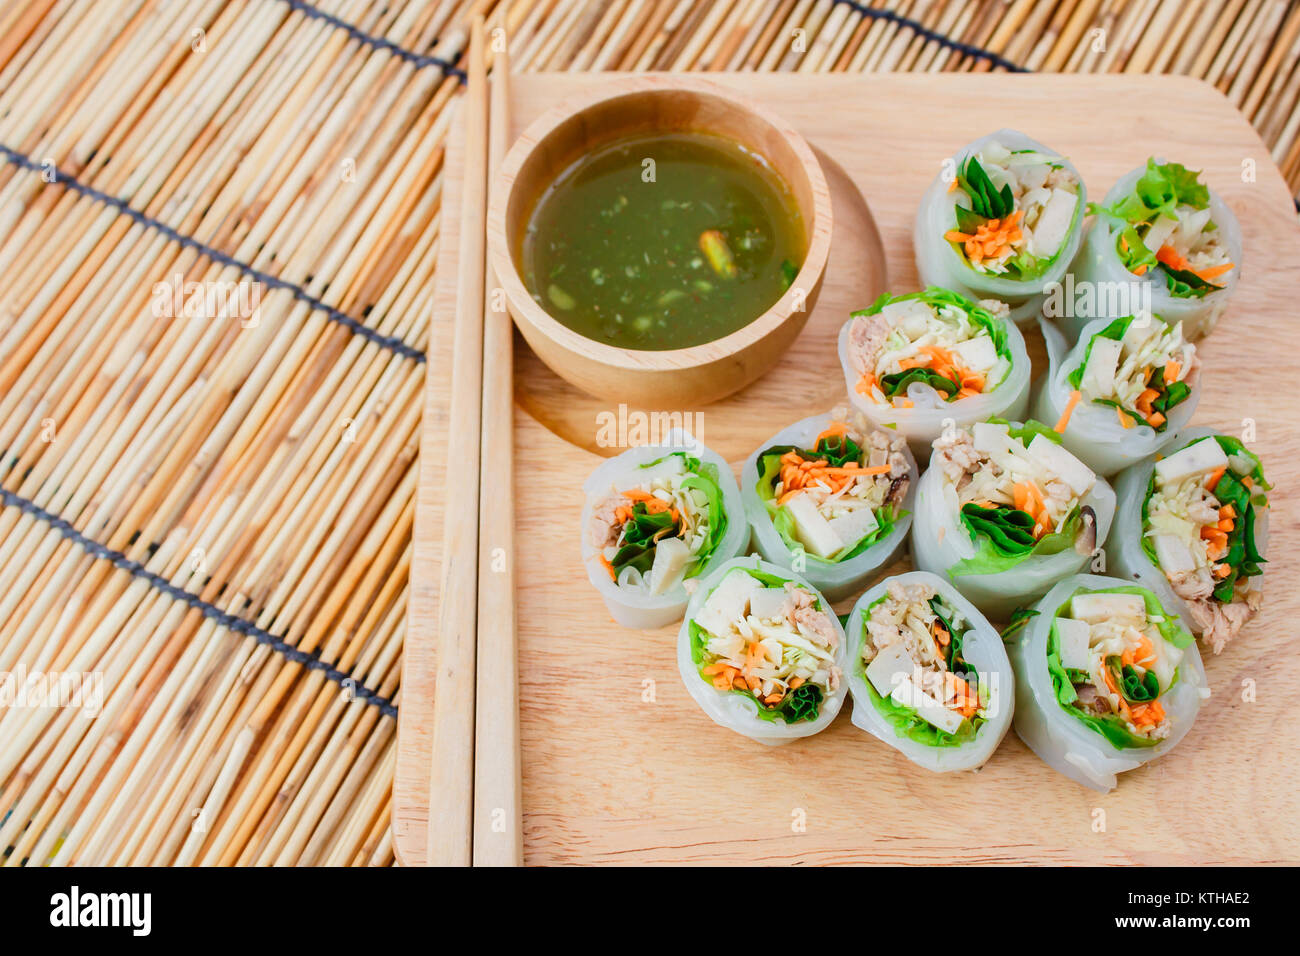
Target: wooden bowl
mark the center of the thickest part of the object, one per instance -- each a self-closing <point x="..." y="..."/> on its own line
<point x="636" y="105"/>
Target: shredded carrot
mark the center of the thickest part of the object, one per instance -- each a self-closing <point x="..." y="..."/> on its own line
<point x="1221" y="570"/>
<point x="1172" y="368"/>
<point x="609" y="566"/>
<point x="1156" y="419"/>
<point x="1170" y="257"/>
<point x="1064" y="420"/>
<point x="636" y="494"/>
<point x="1227" y="511"/>
<point x="1214" y="478"/>
<point x="1214" y="271"/>
<point x="865" y="384"/>
<point x="1141" y="270"/>
<point x="834" y="430"/>
<point x="992" y="239"/>
<point x="1124" y="418"/>
<point x="952" y="186"/>
<point x="1140" y="654"/>
<point x="1144" y="400"/>
<point x="1225" y="524"/>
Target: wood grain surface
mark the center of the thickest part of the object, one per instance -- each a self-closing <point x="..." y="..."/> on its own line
<point x="620" y="766"/>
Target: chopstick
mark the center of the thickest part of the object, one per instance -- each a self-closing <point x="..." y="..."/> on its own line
<point x="451" y="790"/>
<point x="498" y="823"/>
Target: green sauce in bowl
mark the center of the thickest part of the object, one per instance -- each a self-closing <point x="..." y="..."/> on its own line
<point x="663" y="241"/>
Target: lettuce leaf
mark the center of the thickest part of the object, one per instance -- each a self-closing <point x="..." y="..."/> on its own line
<point x="937" y="298"/>
<point x="640" y="546"/>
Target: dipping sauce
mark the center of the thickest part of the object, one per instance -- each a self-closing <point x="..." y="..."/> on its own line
<point x="663" y="255"/>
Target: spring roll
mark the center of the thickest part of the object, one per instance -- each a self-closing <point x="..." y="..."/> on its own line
<point x="1193" y="528"/>
<point x="1160" y="226"/>
<point x="1006" y="227"/>
<point x="656" y="517"/>
<point x="762" y="652"/>
<point x="914" y="362"/>
<point x="928" y="673"/>
<point x="1005" y="512"/>
<point x="1107" y="678"/>
<point x="830" y="498"/>
<point x="1123" y="390"/>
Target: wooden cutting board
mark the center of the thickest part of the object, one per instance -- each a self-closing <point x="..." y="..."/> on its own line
<point x="620" y="766"/>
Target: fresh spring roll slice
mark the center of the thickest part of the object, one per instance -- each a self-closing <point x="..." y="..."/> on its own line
<point x="655" y="517"/>
<point x="914" y="362"/>
<point x="830" y="498"/>
<point x="928" y="673"/>
<point x="1122" y="391"/>
<point x="1107" y="678"/>
<point x="762" y="652"/>
<point x="1006" y="227"/>
<point x="1005" y="512"/>
<point x="1160" y="226"/>
<point x="1193" y="527"/>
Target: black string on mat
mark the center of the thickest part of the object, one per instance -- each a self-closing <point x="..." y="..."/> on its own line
<point x="232" y="622"/>
<point x="52" y="176"/>
<point x="418" y="60"/>
<point x="921" y="30"/>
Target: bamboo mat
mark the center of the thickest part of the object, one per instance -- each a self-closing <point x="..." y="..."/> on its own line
<point x="206" y="506"/>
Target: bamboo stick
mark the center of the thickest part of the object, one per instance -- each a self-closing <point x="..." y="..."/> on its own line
<point x="498" y="813"/>
<point x="452" y="785"/>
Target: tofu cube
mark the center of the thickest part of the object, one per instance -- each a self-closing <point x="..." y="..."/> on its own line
<point x="669" y="568"/>
<point x="988" y="437"/>
<point x="1099" y="373"/>
<point x="907" y="694"/>
<point x="1072" y="642"/>
<point x="888" y="667"/>
<point x="1051" y="456"/>
<point x="977" y="354"/>
<point x="1173" y="554"/>
<point x="1120" y="608"/>
<point x="1053" y="223"/>
<point x="1200" y="457"/>
<point x="852" y="527"/>
<point x="728" y="602"/>
<point x="910" y="315"/>
<point x="811" y="529"/>
<point x="766" y="603"/>
<point x="1160" y="232"/>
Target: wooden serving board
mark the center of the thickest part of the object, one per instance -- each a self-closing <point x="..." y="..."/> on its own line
<point x="621" y="766"/>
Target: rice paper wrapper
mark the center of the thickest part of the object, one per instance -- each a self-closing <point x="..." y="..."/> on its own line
<point x="1058" y="737"/>
<point x="1124" y="549"/>
<point x="930" y="414"/>
<point x="940" y="264"/>
<point x="940" y="540"/>
<point x="1099" y="265"/>
<point x="837" y="580"/>
<point x="1094" y="433"/>
<point x="982" y="648"/>
<point x="734" y="710"/>
<point x="640" y="610"/>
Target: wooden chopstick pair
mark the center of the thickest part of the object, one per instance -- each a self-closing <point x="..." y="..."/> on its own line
<point x="474" y="799"/>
